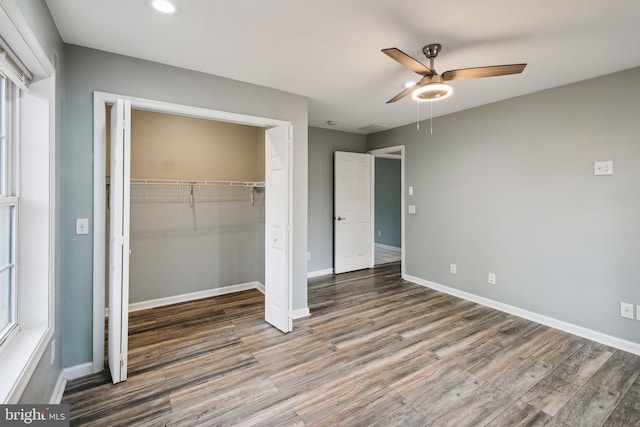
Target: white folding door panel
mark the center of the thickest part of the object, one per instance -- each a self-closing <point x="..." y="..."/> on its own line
<point x="352" y="212"/>
<point x="119" y="239"/>
<point x="277" y="229"/>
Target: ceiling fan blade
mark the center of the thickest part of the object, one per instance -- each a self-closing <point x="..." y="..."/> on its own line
<point x="407" y="61"/>
<point x="402" y="94"/>
<point x="491" y="71"/>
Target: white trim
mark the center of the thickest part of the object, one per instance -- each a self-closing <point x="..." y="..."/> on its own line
<point x="77" y="371"/>
<point x="58" y="390"/>
<point x="16" y="371"/>
<point x="192" y="296"/>
<point x="12" y="10"/>
<point x="259" y="286"/>
<point x="388" y="247"/>
<point x="100" y="100"/>
<point x="300" y="313"/>
<point x="387" y="152"/>
<point x="319" y="273"/>
<point x="580" y="331"/>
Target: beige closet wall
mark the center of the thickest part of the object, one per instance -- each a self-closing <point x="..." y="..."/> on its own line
<point x="165" y="146"/>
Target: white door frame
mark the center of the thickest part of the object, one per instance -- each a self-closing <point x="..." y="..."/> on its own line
<point x="100" y="101"/>
<point x="390" y="153"/>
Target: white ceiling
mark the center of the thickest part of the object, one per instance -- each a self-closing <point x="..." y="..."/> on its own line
<point x="329" y="50"/>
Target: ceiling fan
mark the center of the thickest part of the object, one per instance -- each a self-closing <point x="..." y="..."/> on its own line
<point x="431" y="86"/>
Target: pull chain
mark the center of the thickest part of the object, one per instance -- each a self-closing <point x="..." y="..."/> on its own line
<point x="431" y="121"/>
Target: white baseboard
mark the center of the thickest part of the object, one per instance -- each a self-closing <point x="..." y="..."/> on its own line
<point x="58" y="390"/>
<point x="391" y="248"/>
<point x="77" y="371"/>
<point x="70" y="373"/>
<point x="580" y="331"/>
<point x="159" y="302"/>
<point x="319" y="273"/>
<point x="300" y="313"/>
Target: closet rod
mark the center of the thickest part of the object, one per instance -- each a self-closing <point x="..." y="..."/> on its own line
<point x="199" y="182"/>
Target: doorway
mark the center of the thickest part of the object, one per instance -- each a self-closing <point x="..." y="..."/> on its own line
<point x="387" y="210"/>
<point x="388" y="222"/>
<point x="278" y="170"/>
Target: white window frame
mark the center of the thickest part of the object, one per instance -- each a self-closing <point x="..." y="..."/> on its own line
<point x="8" y="192"/>
<point x="32" y="342"/>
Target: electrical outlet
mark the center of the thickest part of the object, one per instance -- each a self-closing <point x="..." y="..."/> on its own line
<point x="308" y="256"/>
<point x="603" y="168"/>
<point x="492" y="278"/>
<point x="626" y="310"/>
<point x="379" y="233"/>
<point x="453" y="269"/>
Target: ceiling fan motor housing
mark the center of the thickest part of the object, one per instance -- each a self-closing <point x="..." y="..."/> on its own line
<point x="432" y="50"/>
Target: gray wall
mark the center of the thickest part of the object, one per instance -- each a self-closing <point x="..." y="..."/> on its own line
<point x="87" y="70"/>
<point x="44" y="378"/>
<point x="388" y="202"/>
<point x="322" y="144"/>
<point x="177" y="249"/>
<point x="509" y="188"/>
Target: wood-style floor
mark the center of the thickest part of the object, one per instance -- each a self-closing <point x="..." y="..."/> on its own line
<point x="376" y="351"/>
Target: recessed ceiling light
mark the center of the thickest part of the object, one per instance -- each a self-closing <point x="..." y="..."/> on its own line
<point x="165" y="6"/>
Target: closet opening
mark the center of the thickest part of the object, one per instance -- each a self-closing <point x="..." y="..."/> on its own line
<point x="206" y="188"/>
<point x="196" y="211"/>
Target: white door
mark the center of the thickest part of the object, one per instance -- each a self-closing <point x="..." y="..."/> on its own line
<point x="277" y="229"/>
<point x="352" y="212"/>
<point x="119" y="240"/>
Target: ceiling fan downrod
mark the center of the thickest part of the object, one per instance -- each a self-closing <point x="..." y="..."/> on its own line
<point x="431" y="51"/>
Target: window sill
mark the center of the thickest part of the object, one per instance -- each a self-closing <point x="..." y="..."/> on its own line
<point x="19" y="360"/>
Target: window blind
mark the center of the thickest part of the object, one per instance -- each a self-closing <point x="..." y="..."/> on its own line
<point x="13" y="68"/>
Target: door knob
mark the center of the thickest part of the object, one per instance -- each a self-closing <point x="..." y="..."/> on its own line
<point x="341" y="218"/>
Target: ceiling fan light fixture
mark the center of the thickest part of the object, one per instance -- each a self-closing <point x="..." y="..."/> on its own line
<point x="432" y="92"/>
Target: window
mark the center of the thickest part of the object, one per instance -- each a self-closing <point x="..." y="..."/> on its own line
<point x="8" y="207"/>
<point x="27" y="203"/>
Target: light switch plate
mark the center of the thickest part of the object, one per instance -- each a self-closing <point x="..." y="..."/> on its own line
<point x="491" y="279"/>
<point x="82" y="225"/>
<point x="604" y="167"/>
<point x="411" y="190"/>
<point x="412" y="209"/>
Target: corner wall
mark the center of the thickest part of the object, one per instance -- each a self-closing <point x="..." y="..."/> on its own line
<point x="509" y="188"/>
